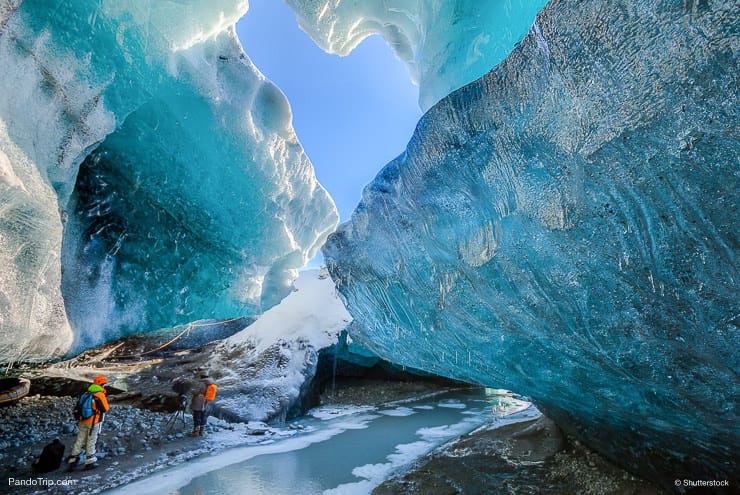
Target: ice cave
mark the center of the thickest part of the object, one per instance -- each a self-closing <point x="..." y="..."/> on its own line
<point x="562" y="223"/>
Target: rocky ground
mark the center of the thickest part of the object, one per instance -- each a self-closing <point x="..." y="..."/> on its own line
<point x="522" y="458"/>
<point x="136" y="441"/>
<point x="133" y="442"/>
<point x="530" y="457"/>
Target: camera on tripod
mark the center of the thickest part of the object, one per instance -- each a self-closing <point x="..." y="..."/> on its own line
<point x="181" y="388"/>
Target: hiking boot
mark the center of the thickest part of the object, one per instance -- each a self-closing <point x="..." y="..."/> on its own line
<point x="92" y="465"/>
<point x="72" y="463"/>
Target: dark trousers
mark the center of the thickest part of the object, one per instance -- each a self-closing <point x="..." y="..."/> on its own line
<point x="199" y="418"/>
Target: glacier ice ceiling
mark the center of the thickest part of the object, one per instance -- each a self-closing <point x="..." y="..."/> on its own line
<point x="149" y="174"/>
<point x="444" y="43"/>
<point x="566" y="227"/>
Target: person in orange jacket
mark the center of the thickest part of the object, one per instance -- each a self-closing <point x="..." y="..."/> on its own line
<point x="198" y="405"/>
<point x="89" y="428"/>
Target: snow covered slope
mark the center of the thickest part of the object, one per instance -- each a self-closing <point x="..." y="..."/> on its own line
<point x="263" y="370"/>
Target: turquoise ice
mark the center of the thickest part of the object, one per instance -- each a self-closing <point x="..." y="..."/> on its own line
<point x="149" y="174"/>
<point x="566" y="227"/>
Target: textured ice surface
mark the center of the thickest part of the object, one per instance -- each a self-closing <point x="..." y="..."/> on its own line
<point x="32" y="317"/>
<point x="566" y="227"/>
<point x="445" y="43"/>
<point x="147" y="166"/>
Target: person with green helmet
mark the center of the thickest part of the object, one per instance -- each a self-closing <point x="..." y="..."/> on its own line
<point x="90" y="412"/>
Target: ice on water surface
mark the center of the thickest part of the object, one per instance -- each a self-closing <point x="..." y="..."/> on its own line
<point x="149" y="174"/>
<point x="566" y="227"/>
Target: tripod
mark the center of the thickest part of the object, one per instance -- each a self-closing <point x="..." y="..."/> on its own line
<point x="179" y="414"/>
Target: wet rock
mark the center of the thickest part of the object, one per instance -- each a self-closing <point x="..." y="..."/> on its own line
<point x="527" y="457"/>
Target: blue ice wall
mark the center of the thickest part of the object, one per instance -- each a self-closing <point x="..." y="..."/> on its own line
<point x="566" y="227"/>
<point x="149" y="174"/>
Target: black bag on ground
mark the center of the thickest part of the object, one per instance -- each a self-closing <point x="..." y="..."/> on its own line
<point x="50" y="458"/>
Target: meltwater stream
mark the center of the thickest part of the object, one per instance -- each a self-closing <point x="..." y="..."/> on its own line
<point x="338" y="449"/>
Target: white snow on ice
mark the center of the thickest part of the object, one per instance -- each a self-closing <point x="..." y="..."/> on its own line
<point x="331" y="412"/>
<point x="399" y="411"/>
<point x="312" y="312"/>
<point x="452" y="404"/>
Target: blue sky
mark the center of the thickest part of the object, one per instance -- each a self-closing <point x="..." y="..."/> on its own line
<point x="352" y="114"/>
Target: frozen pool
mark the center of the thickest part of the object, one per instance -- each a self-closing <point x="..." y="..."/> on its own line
<point x="338" y="450"/>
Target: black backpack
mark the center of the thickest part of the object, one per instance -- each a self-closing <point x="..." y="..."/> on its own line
<point x="50" y="458"/>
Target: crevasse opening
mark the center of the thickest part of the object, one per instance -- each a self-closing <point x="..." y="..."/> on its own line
<point x="352" y="114"/>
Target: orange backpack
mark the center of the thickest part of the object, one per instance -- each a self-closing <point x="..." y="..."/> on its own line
<point x="210" y="394"/>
